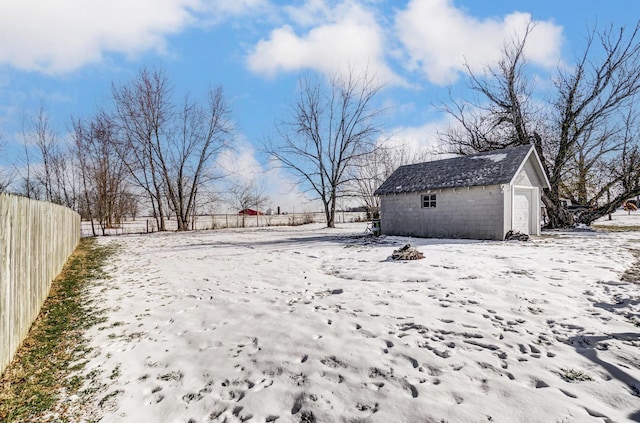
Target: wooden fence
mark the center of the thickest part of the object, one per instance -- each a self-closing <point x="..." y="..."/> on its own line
<point x="36" y="239"/>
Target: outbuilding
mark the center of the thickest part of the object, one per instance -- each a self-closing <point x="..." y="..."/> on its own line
<point x="480" y="196"/>
<point x="251" y="212"/>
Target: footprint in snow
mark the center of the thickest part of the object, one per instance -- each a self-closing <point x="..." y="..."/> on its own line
<point x="539" y="384"/>
<point x="190" y="397"/>
<point x="569" y="394"/>
<point x="332" y="361"/>
<point x="332" y="377"/>
<point x="409" y="387"/>
<point x="263" y="384"/>
<point x="413" y="361"/>
<point x="458" y="399"/>
<point x="297" y="403"/>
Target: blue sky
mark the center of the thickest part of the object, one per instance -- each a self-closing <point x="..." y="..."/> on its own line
<point x="67" y="53"/>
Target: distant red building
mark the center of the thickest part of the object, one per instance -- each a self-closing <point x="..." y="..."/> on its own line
<point x="251" y="212"/>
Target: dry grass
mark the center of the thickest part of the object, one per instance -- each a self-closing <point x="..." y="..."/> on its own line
<point x="615" y="228"/>
<point x="41" y="370"/>
<point x="573" y="375"/>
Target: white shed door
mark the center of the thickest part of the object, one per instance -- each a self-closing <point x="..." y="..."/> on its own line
<point x="522" y="210"/>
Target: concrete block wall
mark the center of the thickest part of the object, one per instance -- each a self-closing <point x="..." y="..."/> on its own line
<point x="474" y="213"/>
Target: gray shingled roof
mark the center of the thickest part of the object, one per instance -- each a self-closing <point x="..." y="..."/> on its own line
<point x="490" y="168"/>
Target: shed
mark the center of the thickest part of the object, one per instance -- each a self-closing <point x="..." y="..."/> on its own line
<point x="480" y="196"/>
<point x="251" y="212"/>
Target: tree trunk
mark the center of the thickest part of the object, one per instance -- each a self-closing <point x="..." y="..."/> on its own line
<point x="327" y="215"/>
<point x="333" y="212"/>
<point x="331" y="221"/>
<point x="558" y="216"/>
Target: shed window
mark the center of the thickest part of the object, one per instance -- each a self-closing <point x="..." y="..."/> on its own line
<point x="428" y="201"/>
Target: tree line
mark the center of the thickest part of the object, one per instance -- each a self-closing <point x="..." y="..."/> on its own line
<point x="149" y="150"/>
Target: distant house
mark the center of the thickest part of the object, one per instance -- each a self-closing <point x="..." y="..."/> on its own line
<point x="251" y="212"/>
<point x="481" y="196"/>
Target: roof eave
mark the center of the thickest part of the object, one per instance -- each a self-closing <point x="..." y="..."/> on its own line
<point x="378" y="194"/>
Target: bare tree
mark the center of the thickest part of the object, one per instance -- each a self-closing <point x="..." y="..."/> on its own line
<point x="80" y="140"/>
<point x="142" y="113"/>
<point x="6" y="177"/>
<point x="503" y="114"/>
<point x="328" y="131"/>
<point x="576" y="133"/>
<point x="616" y="177"/>
<point x="201" y="133"/>
<point x="371" y="170"/>
<point x="27" y="185"/>
<point x="167" y="152"/>
<point x="49" y="172"/>
<point x="102" y="172"/>
<point x="43" y="137"/>
<point x="590" y="107"/>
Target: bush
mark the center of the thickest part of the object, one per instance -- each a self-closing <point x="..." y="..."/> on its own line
<point x="305" y="219"/>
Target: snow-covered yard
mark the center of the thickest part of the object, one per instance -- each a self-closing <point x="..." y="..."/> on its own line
<point x="310" y="324"/>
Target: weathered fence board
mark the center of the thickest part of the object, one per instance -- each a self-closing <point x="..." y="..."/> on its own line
<point x="36" y="239"/>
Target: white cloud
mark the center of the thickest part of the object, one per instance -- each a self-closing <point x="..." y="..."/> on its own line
<point x="417" y="139"/>
<point x="439" y="38"/>
<point x="347" y="38"/>
<point x="57" y="36"/>
<point x="240" y="164"/>
<point x="311" y="13"/>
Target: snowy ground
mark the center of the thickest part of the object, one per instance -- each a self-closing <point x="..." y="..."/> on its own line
<point x="309" y="324"/>
<point x="620" y="218"/>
